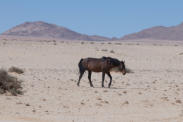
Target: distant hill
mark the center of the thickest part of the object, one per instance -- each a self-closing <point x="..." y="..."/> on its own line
<point x="45" y="30"/>
<point x="158" y="33"/>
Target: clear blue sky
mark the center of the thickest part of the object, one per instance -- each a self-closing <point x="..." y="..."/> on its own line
<point x="102" y="17"/>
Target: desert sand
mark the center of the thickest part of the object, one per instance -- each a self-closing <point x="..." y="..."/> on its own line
<point x="152" y="93"/>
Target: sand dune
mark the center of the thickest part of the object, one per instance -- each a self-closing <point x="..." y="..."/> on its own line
<point x="153" y="93"/>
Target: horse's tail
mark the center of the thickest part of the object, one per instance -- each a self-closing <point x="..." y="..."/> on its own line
<point x="81" y="68"/>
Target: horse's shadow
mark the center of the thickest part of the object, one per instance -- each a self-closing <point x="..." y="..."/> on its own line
<point x="111" y="87"/>
<point x="108" y="88"/>
<point x="116" y="88"/>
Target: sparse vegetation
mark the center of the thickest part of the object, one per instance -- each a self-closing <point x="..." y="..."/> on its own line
<point x="112" y="51"/>
<point x="104" y="50"/>
<point x="54" y="42"/>
<point x="126" y="103"/>
<point x="16" y="70"/>
<point x="178" y="101"/>
<point x="4" y="43"/>
<point x="92" y="43"/>
<point x="118" y="44"/>
<point x="9" y="83"/>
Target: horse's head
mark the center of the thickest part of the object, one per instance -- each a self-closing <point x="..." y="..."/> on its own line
<point x="122" y="67"/>
<point x="116" y="65"/>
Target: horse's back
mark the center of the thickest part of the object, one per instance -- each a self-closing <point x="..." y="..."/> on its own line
<point x="93" y="64"/>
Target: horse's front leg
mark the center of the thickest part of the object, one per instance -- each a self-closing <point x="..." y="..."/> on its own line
<point x="103" y="77"/>
<point x="110" y="79"/>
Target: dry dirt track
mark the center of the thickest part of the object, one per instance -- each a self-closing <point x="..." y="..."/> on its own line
<point x="153" y="93"/>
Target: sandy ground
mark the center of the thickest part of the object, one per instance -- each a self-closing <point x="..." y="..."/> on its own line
<point x="153" y="93"/>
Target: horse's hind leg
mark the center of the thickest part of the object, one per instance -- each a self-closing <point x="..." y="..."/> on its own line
<point x="89" y="78"/>
<point x="110" y="79"/>
<point x="80" y="76"/>
<point x="103" y="77"/>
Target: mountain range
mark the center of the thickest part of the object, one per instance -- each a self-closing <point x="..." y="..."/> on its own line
<point x="42" y="29"/>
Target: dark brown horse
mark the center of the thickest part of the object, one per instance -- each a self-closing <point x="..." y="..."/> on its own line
<point x="104" y="65"/>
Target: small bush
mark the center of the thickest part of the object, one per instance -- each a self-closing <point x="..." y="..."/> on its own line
<point x="104" y="50"/>
<point x="92" y="43"/>
<point x="118" y="44"/>
<point x="16" y="70"/>
<point x="112" y="51"/>
<point x="9" y="83"/>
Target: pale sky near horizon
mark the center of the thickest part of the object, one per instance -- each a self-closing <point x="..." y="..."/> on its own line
<point x="110" y="18"/>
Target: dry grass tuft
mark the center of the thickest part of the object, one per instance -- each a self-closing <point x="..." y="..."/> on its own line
<point x="92" y="42"/>
<point x="16" y="70"/>
<point x="112" y="51"/>
<point x="126" y="103"/>
<point x="118" y="43"/>
<point x="104" y="50"/>
<point x="9" y="83"/>
<point x="178" y="101"/>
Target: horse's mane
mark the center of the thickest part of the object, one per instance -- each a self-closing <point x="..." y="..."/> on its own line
<point x="113" y="61"/>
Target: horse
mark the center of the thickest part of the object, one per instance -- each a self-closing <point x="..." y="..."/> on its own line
<point x="104" y="65"/>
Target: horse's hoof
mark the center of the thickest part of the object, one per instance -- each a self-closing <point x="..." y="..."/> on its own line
<point x="78" y="85"/>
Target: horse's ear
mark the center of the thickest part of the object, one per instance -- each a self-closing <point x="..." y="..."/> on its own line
<point x="123" y="61"/>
